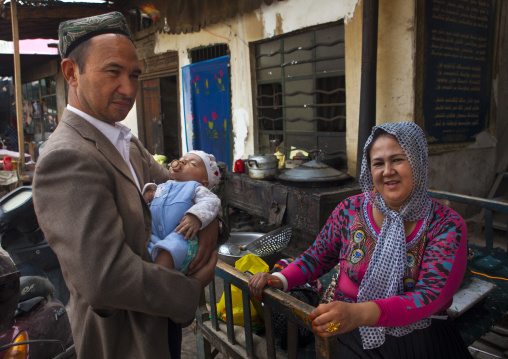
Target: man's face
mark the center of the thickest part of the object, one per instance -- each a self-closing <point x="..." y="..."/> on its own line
<point x="109" y="83"/>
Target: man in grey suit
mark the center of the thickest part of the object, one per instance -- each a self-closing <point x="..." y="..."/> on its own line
<point x="88" y="202"/>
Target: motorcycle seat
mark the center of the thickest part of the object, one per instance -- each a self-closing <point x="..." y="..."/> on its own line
<point x="35" y="286"/>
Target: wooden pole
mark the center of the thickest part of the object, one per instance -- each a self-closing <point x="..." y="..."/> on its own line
<point x="367" y="118"/>
<point x="17" y="82"/>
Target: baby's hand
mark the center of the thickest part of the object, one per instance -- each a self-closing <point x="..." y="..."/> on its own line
<point x="189" y="226"/>
<point x="149" y="196"/>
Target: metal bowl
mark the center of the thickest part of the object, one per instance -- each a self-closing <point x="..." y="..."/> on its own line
<point x="243" y="238"/>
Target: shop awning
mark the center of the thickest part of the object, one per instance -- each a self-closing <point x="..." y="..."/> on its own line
<point x="186" y="16"/>
<point x="39" y="19"/>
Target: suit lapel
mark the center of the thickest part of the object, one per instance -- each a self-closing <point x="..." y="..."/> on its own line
<point x="103" y="144"/>
<point x="136" y="162"/>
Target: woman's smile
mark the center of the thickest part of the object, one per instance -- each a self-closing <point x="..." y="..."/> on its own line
<point x="392" y="184"/>
<point x="391" y="171"/>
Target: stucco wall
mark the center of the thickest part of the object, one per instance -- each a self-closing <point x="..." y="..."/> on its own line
<point x="396" y="65"/>
<point x="395" y="76"/>
<point x="131" y="121"/>
<point x="395" y="69"/>
<point x="353" y="42"/>
<point x="467" y="171"/>
<point x="238" y="33"/>
<point x="395" y="58"/>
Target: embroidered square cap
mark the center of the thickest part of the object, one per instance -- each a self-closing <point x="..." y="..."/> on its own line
<point x="71" y="33"/>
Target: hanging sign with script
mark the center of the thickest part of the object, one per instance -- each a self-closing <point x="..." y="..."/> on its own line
<point x="454" y="69"/>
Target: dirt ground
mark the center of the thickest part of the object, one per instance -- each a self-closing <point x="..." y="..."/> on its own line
<point x="189" y="347"/>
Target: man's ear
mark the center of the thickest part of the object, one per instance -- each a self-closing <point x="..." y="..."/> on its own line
<point x="70" y="71"/>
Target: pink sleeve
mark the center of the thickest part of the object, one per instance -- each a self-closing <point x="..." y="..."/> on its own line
<point x="324" y="253"/>
<point x="294" y="276"/>
<point x="441" y="274"/>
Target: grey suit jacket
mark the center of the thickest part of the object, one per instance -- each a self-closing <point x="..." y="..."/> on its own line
<point x="95" y="219"/>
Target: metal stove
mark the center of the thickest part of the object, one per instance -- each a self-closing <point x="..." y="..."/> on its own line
<point x="281" y="202"/>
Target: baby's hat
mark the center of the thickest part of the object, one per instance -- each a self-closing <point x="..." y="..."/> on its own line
<point x="211" y="167"/>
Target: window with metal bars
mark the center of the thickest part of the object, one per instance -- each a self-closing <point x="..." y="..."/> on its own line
<point x="208" y="53"/>
<point x="301" y="96"/>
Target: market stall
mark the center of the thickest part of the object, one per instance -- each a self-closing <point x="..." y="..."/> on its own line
<point x="10" y="176"/>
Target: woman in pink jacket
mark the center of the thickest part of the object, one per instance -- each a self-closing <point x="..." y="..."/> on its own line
<point x="402" y="257"/>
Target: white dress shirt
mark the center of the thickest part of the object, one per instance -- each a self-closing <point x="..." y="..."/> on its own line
<point x="119" y="135"/>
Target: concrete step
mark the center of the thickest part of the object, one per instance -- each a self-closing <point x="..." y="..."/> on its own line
<point x="493" y="344"/>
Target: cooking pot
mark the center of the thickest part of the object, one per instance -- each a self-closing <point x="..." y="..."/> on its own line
<point x="313" y="171"/>
<point x="262" y="166"/>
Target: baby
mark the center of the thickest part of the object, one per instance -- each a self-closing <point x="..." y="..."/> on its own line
<point x="180" y="207"/>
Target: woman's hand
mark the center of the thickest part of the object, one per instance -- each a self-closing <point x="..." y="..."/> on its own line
<point x="259" y="280"/>
<point x="349" y="315"/>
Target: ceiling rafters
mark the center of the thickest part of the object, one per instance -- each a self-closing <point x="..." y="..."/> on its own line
<point x="183" y="16"/>
<point x="40" y="19"/>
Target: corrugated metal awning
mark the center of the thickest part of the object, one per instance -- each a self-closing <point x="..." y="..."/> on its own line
<point x="40" y="18"/>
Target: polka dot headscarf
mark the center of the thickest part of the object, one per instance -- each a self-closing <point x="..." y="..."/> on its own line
<point x="385" y="273"/>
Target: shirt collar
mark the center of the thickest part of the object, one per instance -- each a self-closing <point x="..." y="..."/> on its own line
<point x="119" y="135"/>
<point x="113" y="133"/>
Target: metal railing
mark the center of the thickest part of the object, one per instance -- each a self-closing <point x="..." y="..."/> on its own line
<point x="488" y="205"/>
<point x="295" y="311"/>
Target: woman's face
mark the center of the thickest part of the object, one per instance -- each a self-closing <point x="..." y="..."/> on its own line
<point x="391" y="171"/>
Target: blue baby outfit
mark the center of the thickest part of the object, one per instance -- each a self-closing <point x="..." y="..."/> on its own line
<point x="172" y="200"/>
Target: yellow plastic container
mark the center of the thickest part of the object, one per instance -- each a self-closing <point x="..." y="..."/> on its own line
<point x="281" y="157"/>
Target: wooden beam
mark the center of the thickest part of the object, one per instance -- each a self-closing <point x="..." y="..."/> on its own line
<point x="72" y="11"/>
<point x="19" y="96"/>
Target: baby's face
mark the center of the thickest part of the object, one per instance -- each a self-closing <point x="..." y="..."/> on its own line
<point x="189" y="168"/>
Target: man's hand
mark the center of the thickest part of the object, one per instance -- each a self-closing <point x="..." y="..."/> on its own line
<point x="207" y="272"/>
<point x="207" y="243"/>
<point x="189" y="226"/>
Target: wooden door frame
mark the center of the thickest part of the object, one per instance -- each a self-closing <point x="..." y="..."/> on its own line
<point x="151" y="97"/>
<point x="156" y="67"/>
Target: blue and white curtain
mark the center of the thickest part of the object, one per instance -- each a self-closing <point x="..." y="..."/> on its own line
<point x="207" y="107"/>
